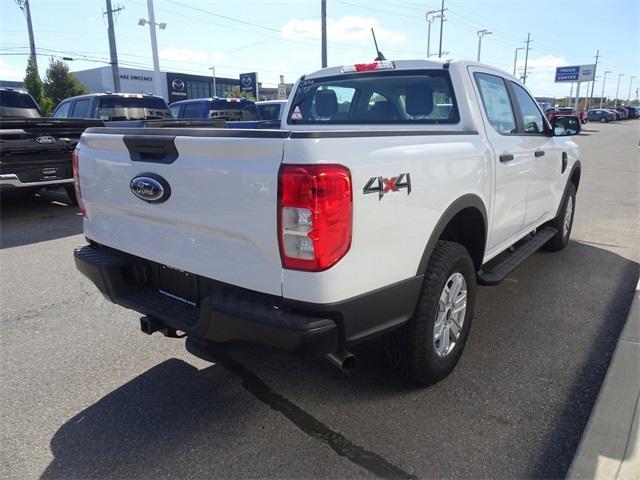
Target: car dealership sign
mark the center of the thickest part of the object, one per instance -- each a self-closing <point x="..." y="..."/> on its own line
<point x="249" y="84"/>
<point x="578" y="73"/>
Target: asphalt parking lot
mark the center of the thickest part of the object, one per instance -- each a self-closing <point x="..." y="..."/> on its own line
<point x="85" y="394"/>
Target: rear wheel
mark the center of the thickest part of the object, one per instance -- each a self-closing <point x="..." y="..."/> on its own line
<point x="603" y="120"/>
<point x="428" y="347"/>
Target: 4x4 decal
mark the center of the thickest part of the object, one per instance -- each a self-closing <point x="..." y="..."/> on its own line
<point x="382" y="185"/>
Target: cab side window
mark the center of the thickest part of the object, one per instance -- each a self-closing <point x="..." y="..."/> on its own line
<point x="496" y="102"/>
<point x="63" y="110"/>
<point x="81" y="108"/>
<point x="531" y="117"/>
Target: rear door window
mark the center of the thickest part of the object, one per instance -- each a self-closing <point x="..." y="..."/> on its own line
<point x="192" y="110"/>
<point x="81" y="108"/>
<point x="270" y="112"/>
<point x="496" y="102"/>
<point x="63" y="110"/>
<point x="392" y="97"/>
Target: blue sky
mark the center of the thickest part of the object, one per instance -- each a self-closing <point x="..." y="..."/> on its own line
<point x="282" y="36"/>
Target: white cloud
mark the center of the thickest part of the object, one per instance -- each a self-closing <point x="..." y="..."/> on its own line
<point x="548" y="63"/>
<point x="344" y="29"/>
<point x="190" y="55"/>
<point x="9" y="72"/>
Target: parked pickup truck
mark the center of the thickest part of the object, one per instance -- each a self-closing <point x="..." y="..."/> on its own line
<point x="35" y="152"/>
<point x="391" y="190"/>
<point x="236" y="112"/>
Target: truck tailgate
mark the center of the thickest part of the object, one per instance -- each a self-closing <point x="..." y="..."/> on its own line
<point x="219" y="220"/>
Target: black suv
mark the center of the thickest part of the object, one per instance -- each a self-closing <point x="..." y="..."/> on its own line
<point x="113" y="107"/>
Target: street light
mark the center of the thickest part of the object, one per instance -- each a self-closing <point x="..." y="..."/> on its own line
<point x="429" y="22"/>
<point x="615" y="104"/>
<point x="515" y="60"/>
<point x="482" y="33"/>
<point x="603" y="81"/>
<point x="213" y="71"/>
<point x="629" y="96"/>
<point x="154" y="42"/>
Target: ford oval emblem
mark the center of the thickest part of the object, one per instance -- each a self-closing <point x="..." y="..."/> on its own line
<point x="150" y="188"/>
<point x="46" y="139"/>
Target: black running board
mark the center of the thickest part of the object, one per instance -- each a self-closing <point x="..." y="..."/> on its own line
<point x="498" y="269"/>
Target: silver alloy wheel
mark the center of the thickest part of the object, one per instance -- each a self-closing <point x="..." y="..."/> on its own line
<point x="452" y="308"/>
<point x="568" y="213"/>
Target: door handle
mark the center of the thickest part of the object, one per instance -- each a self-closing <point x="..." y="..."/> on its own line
<point x="506" y="157"/>
<point x="539" y="153"/>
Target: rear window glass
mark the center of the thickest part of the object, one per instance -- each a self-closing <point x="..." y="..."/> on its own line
<point x="270" y="112"/>
<point x="17" y="104"/>
<point x="132" y="108"/>
<point x="406" y="97"/>
<point x="234" y="111"/>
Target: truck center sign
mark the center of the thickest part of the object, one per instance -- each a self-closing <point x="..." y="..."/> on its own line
<point x="578" y="73"/>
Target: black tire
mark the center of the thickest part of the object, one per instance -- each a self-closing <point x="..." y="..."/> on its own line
<point x="71" y="193"/>
<point x="561" y="239"/>
<point x="411" y="349"/>
<point x="604" y="120"/>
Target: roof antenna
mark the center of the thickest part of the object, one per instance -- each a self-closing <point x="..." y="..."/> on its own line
<point x="380" y="56"/>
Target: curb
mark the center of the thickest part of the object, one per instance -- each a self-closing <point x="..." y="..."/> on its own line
<point x="610" y="444"/>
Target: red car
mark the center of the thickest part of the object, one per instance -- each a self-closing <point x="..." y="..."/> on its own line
<point x="564" y="111"/>
<point x="624" y="112"/>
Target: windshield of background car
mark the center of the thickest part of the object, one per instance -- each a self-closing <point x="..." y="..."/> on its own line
<point x="234" y="111"/>
<point x="397" y="97"/>
<point x="132" y="108"/>
<point x="17" y="104"/>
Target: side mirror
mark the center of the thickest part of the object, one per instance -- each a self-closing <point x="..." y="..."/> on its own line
<point x="566" y="125"/>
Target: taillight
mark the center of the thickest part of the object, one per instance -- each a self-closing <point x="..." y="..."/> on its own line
<point x="314" y="215"/>
<point x="76" y="179"/>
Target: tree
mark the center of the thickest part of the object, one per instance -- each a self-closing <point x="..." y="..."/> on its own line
<point x="60" y="83"/>
<point x="235" y="92"/>
<point x="35" y="87"/>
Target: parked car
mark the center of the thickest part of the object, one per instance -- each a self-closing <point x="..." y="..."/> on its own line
<point x="35" y="152"/>
<point x="634" y="112"/>
<point x="618" y="114"/>
<point x="572" y="111"/>
<point x="624" y="112"/>
<point x="600" y="115"/>
<point x="271" y="109"/>
<point x="113" y="107"/>
<point x="237" y="112"/>
<point x="373" y="213"/>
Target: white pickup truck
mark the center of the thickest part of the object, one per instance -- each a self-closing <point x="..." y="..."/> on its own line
<point x="390" y="191"/>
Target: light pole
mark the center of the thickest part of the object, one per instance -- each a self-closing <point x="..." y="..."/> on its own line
<point x="154" y="42"/>
<point x="429" y="22"/>
<point x="441" y="27"/>
<point x="629" y="96"/>
<point x="213" y="71"/>
<point x="615" y="103"/>
<point x="515" y="60"/>
<point x="603" y="82"/>
<point x="481" y="33"/>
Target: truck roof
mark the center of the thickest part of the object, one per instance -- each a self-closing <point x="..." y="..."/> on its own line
<point x="408" y="65"/>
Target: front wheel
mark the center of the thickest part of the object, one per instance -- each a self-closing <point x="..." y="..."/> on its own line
<point x="603" y="120"/>
<point x="427" y="348"/>
<point x="563" y="223"/>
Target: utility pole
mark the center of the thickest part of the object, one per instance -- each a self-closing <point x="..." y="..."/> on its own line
<point x="526" y="58"/>
<point x="429" y="22"/>
<point x="112" y="46"/>
<point x="570" y="95"/>
<point x="154" y="43"/>
<point x="441" y="26"/>
<point x="603" y="82"/>
<point x="593" y="84"/>
<point x="515" y="60"/>
<point x="629" y="96"/>
<point x="324" y="33"/>
<point x="481" y="33"/>
<point x="615" y="105"/>
<point x="24" y="6"/>
<point x="213" y="70"/>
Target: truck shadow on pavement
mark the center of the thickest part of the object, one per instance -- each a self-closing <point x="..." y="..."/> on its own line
<point x="27" y="219"/>
<point x="515" y="407"/>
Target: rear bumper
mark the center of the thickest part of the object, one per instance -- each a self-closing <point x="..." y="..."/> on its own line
<point x="228" y="313"/>
<point x="11" y="181"/>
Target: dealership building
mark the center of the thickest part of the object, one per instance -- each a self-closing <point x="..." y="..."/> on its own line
<point x="174" y="86"/>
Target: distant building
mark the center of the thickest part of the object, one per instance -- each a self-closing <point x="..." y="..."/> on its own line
<point x="174" y="86"/>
